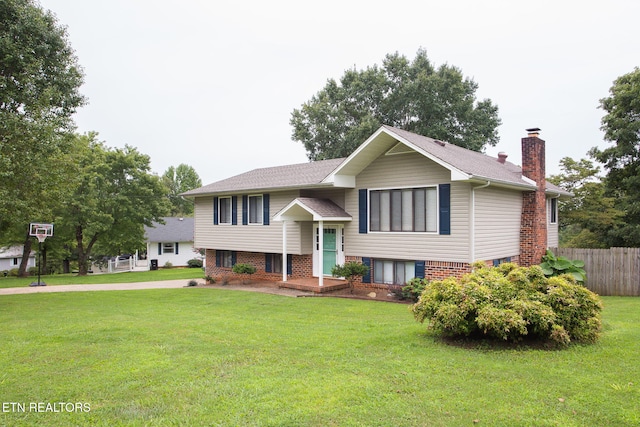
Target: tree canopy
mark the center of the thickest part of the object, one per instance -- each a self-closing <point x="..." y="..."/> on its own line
<point x="586" y="219"/>
<point x="178" y="180"/>
<point x="113" y="195"/>
<point x="621" y="125"/>
<point x="39" y="92"/>
<point x="412" y="95"/>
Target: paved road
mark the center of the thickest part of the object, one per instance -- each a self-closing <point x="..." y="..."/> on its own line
<point x="102" y="287"/>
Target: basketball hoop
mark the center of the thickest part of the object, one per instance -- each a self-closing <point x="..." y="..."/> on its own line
<point x="41" y="232"/>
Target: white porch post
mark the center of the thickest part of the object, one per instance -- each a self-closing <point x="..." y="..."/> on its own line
<point x="320" y="253"/>
<point x="284" y="251"/>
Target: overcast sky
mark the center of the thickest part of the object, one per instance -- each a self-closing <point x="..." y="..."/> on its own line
<point x="212" y="84"/>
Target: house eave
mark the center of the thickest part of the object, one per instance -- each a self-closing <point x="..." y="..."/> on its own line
<point x="502" y="184"/>
<point x="256" y="190"/>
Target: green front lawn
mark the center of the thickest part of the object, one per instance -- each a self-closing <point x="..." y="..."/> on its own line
<point x="198" y="356"/>
<point x="92" y="279"/>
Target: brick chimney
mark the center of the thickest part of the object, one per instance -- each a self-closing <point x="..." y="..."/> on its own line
<point x="533" y="222"/>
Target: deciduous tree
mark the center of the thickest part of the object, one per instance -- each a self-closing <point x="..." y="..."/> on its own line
<point x="586" y="220"/>
<point x="621" y="126"/>
<point x="416" y="96"/>
<point x="39" y="91"/>
<point x="178" y="180"/>
<point x="113" y="196"/>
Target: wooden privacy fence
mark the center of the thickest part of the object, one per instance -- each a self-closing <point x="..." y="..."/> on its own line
<point x="613" y="271"/>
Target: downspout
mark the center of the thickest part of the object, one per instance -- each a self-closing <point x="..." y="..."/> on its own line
<point x="473" y="221"/>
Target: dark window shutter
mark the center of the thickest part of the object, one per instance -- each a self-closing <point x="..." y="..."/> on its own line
<point x="362" y="211"/>
<point x="245" y="210"/>
<point x="234" y="258"/>
<point x="367" y="277"/>
<point x="265" y="209"/>
<point x="218" y="258"/>
<point x="215" y="211"/>
<point x="159" y="248"/>
<point x="289" y="264"/>
<point x="234" y="210"/>
<point x="177" y="246"/>
<point x="420" y="269"/>
<point x="267" y="263"/>
<point x="445" y="208"/>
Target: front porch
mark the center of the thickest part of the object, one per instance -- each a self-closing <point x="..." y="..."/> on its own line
<point x="311" y="284"/>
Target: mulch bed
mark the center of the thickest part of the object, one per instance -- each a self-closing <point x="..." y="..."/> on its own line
<point x="273" y="288"/>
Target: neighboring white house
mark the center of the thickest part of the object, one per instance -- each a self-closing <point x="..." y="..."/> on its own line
<point x="10" y="258"/>
<point x="171" y="242"/>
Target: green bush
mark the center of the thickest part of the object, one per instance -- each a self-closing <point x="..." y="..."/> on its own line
<point x="13" y="272"/>
<point x="194" y="263"/>
<point x="510" y="303"/>
<point x="350" y="270"/>
<point x="413" y="289"/>
<point x="167" y="265"/>
<point x="557" y="266"/>
<point x="33" y="271"/>
<point x="243" y="269"/>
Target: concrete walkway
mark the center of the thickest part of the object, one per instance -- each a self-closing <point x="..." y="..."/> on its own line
<point x="181" y="283"/>
<point x="263" y="287"/>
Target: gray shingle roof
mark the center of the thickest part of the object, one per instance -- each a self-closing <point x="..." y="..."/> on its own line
<point x="472" y="163"/>
<point x="288" y="176"/>
<point x="174" y="230"/>
<point x="324" y="207"/>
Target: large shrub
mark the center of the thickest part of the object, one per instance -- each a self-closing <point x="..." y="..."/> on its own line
<point x="510" y="303"/>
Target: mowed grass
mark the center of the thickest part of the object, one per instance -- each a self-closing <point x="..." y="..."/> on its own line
<point x="92" y="279"/>
<point x="198" y="356"/>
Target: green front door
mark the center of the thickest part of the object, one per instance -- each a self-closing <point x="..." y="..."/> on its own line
<point x="329" y="250"/>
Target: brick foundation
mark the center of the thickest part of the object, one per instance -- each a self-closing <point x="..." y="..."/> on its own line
<point x="302" y="267"/>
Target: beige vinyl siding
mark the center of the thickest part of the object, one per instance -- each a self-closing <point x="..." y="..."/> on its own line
<point x="497" y="223"/>
<point x="552" y="229"/>
<point x="400" y="171"/>
<point x="250" y="238"/>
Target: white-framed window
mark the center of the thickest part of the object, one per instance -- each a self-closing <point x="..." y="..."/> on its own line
<point x="553" y="211"/>
<point x="224" y="210"/>
<point x="404" y="210"/>
<point x="393" y="272"/>
<point x="168" y="248"/>
<point x="15" y="261"/>
<point x="255" y="209"/>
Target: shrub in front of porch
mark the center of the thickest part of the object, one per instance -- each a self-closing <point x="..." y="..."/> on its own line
<point x="510" y="303"/>
<point x="351" y="271"/>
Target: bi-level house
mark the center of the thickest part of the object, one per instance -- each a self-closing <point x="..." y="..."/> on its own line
<point x="404" y="204"/>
